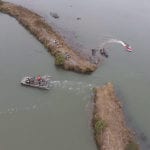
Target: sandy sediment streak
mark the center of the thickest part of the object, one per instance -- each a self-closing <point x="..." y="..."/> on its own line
<point x="110" y="130"/>
<point x="64" y="55"/>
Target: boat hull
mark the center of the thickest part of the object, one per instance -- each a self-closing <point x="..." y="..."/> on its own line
<point x="45" y="82"/>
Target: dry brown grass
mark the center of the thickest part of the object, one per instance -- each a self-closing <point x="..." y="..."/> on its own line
<point x="115" y="136"/>
<point x="50" y="39"/>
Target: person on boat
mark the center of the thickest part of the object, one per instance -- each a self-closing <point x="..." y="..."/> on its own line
<point x="32" y="79"/>
<point x="28" y="81"/>
<point x="103" y="52"/>
<point x="39" y="79"/>
<point x="128" y="47"/>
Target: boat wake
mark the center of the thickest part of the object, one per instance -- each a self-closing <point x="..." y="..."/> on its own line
<point x="109" y="41"/>
<point x="78" y="87"/>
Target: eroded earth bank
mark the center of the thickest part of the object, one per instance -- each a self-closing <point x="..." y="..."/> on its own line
<point x="64" y="55"/>
<point x="110" y="130"/>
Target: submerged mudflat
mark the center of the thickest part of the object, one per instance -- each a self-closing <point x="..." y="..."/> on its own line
<point x="64" y="55"/>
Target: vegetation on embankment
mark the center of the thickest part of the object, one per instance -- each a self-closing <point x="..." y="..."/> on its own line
<point x="64" y="55"/>
<point x="109" y="125"/>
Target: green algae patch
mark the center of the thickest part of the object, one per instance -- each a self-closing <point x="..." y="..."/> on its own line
<point x="94" y="90"/>
<point x="99" y="126"/>
<point x="59" y="59"/>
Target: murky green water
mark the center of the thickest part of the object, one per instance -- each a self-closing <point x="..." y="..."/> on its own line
<point x="60" y="118"/>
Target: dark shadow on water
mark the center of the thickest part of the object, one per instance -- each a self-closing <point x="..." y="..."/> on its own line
<point x="140" y="136"/>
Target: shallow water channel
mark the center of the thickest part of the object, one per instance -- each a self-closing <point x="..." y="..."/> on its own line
<point x="60" y="118"/>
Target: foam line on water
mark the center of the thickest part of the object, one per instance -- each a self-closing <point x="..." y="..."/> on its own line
<point x="72" y="85"/>
<point x="109" y="41"/>
<point x="77" y="87"/>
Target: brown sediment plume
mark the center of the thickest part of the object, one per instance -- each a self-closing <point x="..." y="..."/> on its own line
<point x="64" y="55"/>
<point x="110" y="130"/>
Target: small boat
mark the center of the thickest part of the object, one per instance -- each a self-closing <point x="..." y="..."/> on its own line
<point x="42" y="82"/>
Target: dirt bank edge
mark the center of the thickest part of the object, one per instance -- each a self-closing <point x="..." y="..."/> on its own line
<point x="110" y="130"/>
<point x="65" y="57"/>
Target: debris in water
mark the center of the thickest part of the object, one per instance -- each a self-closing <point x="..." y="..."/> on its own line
<point x="103" y="52"/>
<point x="54" y="15"/>
<point x="94" y="52"/>
<point x="78" y="18"/>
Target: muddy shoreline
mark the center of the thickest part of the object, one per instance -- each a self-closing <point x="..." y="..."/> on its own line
<point x="65" y="57"/>
<point x="110" y="130"/>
